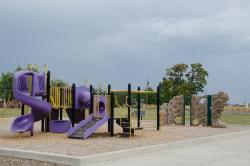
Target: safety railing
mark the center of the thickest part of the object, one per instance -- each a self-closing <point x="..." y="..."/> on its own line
<point x="61" y="97"/>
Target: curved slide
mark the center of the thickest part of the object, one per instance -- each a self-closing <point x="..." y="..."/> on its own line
<point x="40" y="108"/>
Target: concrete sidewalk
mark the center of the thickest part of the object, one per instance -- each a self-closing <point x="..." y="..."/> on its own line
<point x="226" y="149"/>
<point x="233" y="151"/>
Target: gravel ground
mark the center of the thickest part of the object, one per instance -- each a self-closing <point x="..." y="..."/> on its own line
<point x="101" y="142"/>
<point x="11" y="161"/>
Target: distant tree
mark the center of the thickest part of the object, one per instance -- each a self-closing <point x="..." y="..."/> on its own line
<point x="32" y="67"/>
<point x="6" y="83"/>
<point x="29" y="67"/>
<point x="19" y="68"/>
<point x="180" y="79"/>
<point x="100" y="90"/>
<point x="150" y="98"/>
<point x="58" y="83"/>
<point x="197" y="78"/>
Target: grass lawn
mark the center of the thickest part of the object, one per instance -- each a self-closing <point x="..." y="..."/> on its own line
<point x="150" y="114"/>
<point x="230" y="117"/>
<point x="12" y="112"/>
<point x="9" y="113"/>
<point x="242" y="118"/>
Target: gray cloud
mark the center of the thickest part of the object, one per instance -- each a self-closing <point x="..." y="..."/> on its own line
<point x="129" y="41"/>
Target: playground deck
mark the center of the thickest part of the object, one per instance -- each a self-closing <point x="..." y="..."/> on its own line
<point x="102" y="142"/>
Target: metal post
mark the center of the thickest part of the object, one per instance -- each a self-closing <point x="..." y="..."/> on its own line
<point x="184" y="111"/>
<point x="83" y="113"/>
<point x="42" y="125"/>
<point x="191" y="121"/>
<point x="129" y="100"/>
<point x="158" y="108"/>
<point x="91" y="100"/>
<point x="61" y="102"/>
<point x="138" y="107"/>
<point x="42" y="121"/>
<point x="112" y="115"/>
<point x="109" y="124"/>
<point x="22" y="109"/>
<point x="47" y="127"/>
<point x="73" y="93"/>
<point x="209" y="110"/>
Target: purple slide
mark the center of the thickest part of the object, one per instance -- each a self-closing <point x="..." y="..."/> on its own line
<point x="40" y="108"/>
<point x="86" y="127"/>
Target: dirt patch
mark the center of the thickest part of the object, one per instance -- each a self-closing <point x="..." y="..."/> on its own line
<point x="7" y="161"/>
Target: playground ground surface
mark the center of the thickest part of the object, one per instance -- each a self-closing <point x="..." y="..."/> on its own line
<point x="101" y="142"/>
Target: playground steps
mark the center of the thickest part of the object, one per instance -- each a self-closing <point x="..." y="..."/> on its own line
<point x="125" y="124"/>
<point x="79" y="133"/>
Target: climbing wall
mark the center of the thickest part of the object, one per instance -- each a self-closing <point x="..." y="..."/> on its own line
<point x="199" y="111"/>
<point x="218" y="102"/>
<point x="171" y="113"/>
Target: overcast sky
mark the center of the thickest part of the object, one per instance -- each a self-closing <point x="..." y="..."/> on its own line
<point x="118" y="42"/>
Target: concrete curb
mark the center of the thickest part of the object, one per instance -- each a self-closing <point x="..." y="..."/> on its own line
<point x="41" y="156"/>
<point x="78" y="161"/>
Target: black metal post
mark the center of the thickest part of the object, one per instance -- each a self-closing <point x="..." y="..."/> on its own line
<point x="129" y="100"/>
<point x="42" y="125"/>
<point x="83" y="113"/>
<point x="47" y="127"/>
<point x="184" y="111"/>
<point x="158" y="108"/>
<point x="109" y="124"/>
<point x="190" y="103"/>
<point x="209" y="110"/>
<point x="138" y="107"/>
<point x="91" y="99"/>
<point x="73" y="93"/>
<point x="61" y="102"/>
<point x="43" y="120"/>
<point x="112" y="115"/>
<point x="22" y="109"/>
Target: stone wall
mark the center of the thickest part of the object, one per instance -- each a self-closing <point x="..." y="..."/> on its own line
<point x="199" y="110"/>
<point x="218" y="102"/>
<point x="171" y="113"/>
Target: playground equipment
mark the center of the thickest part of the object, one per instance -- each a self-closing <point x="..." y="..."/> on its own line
<point x="28" y="86"/>
<point x="27" y="96"/>
<point x="94" y="121"/>
<point x="74" y="100"/>
<point x="204" y="110"/>
<point x="174" y="111"/>
<point x="60" y="98"/>
<point x="88" y="111"/>
<point x="128" y="124"/>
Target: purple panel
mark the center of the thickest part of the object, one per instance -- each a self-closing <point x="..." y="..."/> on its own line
<point x="23" y="84"/>
<point x="38" y="84"/>
<point x="59" y="126"/>
<point x="102" y="106"/>
<point x="82" y="97"/>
